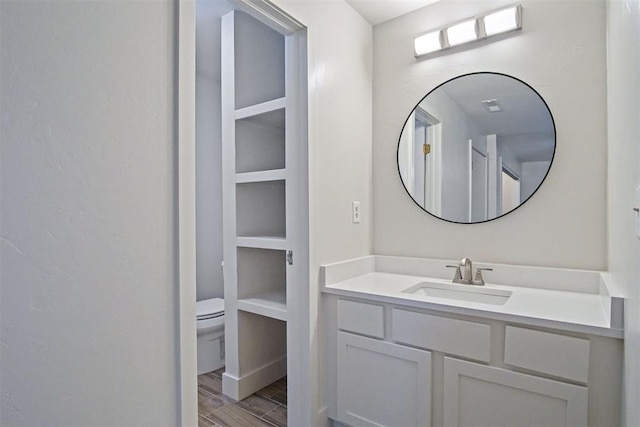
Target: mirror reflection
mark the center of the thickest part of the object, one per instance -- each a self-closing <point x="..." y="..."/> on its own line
<point x="476" y="147"/>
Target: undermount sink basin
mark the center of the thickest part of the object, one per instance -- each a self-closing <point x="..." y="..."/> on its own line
<point x="470" y="293"/>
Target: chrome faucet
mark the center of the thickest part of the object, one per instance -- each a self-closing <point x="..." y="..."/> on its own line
<point x="464" y="273"/>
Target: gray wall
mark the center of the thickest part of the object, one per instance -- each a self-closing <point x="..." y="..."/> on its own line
<point x="88" y="318"/>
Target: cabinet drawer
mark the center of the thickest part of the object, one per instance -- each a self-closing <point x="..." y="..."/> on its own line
<point x="451" y="336"/>
<point x="546" y="352"/>
<point x="361" y="318"/>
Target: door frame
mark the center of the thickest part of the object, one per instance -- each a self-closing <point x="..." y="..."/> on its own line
<point x="432" y="162"/>
<point x="186" y="210"/>
<point x="486" y="183"/>
<point x="185" y="87"/>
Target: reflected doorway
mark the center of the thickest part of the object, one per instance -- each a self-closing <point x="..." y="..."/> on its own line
<point x="510" y="191"/>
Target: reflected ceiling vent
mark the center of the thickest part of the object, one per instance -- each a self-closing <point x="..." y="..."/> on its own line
<point x="491" y="105"/>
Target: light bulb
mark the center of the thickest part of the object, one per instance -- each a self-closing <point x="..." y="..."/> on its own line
<point x="427" y="43"/>
<point x="501" y="21"/>
<point x="462" y="32"/>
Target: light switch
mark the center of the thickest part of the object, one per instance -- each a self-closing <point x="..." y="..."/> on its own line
<point x="355" y="212"/>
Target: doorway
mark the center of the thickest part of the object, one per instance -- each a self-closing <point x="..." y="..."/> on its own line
<point x="479" y="184"/>
<point x="510" y="191"/>
<point x="245" y="303"/>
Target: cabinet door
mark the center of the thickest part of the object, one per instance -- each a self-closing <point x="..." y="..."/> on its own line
<point x="382" y="384"/>
<point x="478" y="395"/>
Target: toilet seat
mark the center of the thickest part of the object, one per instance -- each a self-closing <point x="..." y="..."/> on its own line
<point x="209" y="308"/>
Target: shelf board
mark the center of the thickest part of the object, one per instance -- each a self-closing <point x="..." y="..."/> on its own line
<point x="262" y="242"/>
<point x="265" y="107"/>
<point x="261" y="176"/>
<point x="272" y="304"/>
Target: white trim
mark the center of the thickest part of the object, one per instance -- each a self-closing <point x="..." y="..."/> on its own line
<point x="227" y="94"/>
<point x="186" y="198"/>
<point x="493" y="174"/>
<point x="406" y="158"/>
<point x="499" y="188"/>
<point x="298" y="276"/>
<point x="470" y="179"/>
<point x="270" y="15"/>
<point x="244" y="385"/>
<point x="435" y="136"/>
<point x="486" y="182"/>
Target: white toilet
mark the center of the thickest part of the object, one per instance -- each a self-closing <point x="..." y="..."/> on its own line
<point x="210" y="320"/>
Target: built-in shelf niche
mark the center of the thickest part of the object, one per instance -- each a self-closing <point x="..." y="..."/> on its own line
<point x="260" y="142"/>
<point x="263" y="140"/>
<point x="262" y="282"/>
<point x="259" y="62"/>
<point x="260" y="209"/>
<point x="262" y="341"/>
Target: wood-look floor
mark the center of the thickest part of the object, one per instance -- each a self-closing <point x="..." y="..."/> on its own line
<point x="265" y="408"/>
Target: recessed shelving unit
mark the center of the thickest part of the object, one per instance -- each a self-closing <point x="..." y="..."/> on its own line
<point x="260" y="209"/>
<point x="260" y="142"/>
<point x="259" y="62"/>
<point x="262" y="282"/>
<point x="263" y="346"/>
<point x="262" y="115"/>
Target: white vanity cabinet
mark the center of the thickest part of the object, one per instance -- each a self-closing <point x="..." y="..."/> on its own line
<point x="402" y="366"/>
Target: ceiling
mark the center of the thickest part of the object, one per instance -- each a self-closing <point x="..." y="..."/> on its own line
<point x="378" y="11"/>
<point x="525" y="123"/>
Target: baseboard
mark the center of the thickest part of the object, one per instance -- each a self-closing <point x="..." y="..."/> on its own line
<point x="239" y="388"/>
<point x="322" y="417"/>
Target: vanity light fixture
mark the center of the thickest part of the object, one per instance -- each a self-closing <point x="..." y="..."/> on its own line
<point x="478" y="28"/>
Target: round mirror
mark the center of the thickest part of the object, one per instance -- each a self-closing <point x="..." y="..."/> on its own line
<point x="476" y="147"/>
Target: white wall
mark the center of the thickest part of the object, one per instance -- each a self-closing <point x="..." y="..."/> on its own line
<point x="88" y="318"/>
<point x="561" y="53"/>
<point x="209" y="283"/>
<point x="340" y="81"/>
<point x="623" y="141"/>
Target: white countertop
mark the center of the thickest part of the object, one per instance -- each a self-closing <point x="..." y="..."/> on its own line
<point x="584" y="312"/>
